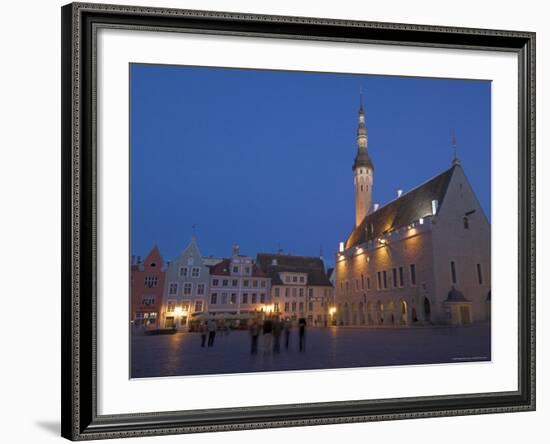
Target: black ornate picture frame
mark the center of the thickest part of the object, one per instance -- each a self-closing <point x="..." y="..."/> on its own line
<point x="80" y="419"/>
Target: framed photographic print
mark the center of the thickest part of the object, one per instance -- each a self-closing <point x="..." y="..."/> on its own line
<point x="277" y="221"/>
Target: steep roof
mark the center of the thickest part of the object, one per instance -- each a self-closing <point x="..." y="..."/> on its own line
<point x="223" y="269"/>
<point x="310" y="265"/>
<point x="402" y="211"/>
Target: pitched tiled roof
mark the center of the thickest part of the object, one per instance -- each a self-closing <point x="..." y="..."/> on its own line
<point x="312" y="266"/>
<point x="402" y="211"/>
<point x="223" y="269"/>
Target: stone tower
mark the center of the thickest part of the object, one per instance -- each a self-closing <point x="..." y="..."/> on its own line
<point x="363" y="170"/>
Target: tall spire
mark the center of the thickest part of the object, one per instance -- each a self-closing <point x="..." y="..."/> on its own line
<point x="453" y="143"/>
<point x="362" y="157"/>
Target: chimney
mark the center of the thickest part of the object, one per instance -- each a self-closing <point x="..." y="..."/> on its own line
<point x="376" y="206"/>
<point x="399" y="193"/>
<point x="435" y="205"/>
<point x="236" y="249"/>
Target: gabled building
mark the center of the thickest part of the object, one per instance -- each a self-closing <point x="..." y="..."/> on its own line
<point x="146" y="286"/>
<point x="424" y="257"/>
<point x="238" y="285"/>
<point x="186" y="289"/>
<point x="300" y="287"/>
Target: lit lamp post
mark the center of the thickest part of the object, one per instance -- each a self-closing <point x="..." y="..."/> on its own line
<point x="332" y="312"/>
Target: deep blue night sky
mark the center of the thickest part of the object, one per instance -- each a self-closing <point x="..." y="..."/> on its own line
<point x="263" y="158"/>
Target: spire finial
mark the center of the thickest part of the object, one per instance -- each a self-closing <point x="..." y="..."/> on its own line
<point x="453" y="143"/>
<point x="361" y="98"/>
<point x="194" y="229"/>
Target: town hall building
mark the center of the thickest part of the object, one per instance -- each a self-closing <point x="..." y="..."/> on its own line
<point x="422" y="258"/>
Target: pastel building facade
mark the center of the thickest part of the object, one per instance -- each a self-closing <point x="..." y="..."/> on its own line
<point x="146" y="288"/>
<point x="300" y="287"/>
<point x="424" y="257"/>
<point x="238" y="286"/>
<point x="186" y="289"/>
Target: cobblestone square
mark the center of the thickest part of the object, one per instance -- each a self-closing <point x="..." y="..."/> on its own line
<point x="326" y="348"/>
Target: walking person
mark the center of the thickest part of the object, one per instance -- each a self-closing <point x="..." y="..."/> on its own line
<point x="254" y="333"/>
<point x="203" y="329"/>
<point x="302" y="333"/>
<point x="286" y="328"/>
<point x="277" y="330"/>
<point x="267" y="337"/>
<point x="211" y="332"/>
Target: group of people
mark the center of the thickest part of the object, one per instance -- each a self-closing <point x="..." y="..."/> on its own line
<point x="271" y="330"/>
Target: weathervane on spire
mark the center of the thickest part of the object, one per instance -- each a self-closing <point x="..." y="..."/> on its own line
<point x="453" y="143"/>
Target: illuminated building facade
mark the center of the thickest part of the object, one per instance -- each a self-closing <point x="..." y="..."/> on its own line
<point x="300" y="287"/>
<point x="238" y="286"/>
<point x="146" y="286"/>
<point x="424" y="257"/>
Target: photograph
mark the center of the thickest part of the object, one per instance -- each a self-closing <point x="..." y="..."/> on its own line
<point x="293" y="221"/>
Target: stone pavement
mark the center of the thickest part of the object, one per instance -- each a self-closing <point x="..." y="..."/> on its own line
<point x="332" y="347"/>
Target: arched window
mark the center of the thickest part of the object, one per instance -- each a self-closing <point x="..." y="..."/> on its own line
<point x="361" y="187"/>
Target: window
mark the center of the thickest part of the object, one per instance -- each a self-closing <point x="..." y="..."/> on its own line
<point x="183" y="271"/>
<point x="287" y="278"/>
<point x="224" y="298"/>
<point x="287" y="306"/>
<point x="479" y="274"/>
<point x="233" y="299"/>
<point x="302" y="279"/>
<point x="401" y="278"/>
<point x="362" y="282"/>
<point x="247" y="270"/>
<point x="287" y="292"/>
<point x="294" y="278"/>
<point x="235" y="283"/>
<point x="170" y="306"/>
<point x="255" y="284"/>
<point x="385" y="276"/>
<point x="236" y="269"/>
<point x="185" y="305"/>
<point x="215" y="282"/>
<point x="466" y="223"/>
<point x="148" y="300"/>
<point x="195" y="272"/>
<point x="310" y="306"/>
<point x="263" y="284"/>
<point x="293" y="306"/>
<point x="214" y="298"/>
<point x="254" y="298"/>
<point x="379" y="275"/>
<point x="245" y="283"/>
<point x="200" y="289"/>
<point x="301" y="306"/>
<point x="276" y="292"/>
<point x="294" y="292"/>
<point x="151" y="281"/>
<point x="225" y="282"/>
<point x="394" y="276"/>
<point x="245" y="298"/>
<point x="187" y="288"/>
<point x="262" y="298"/>
<point x="276" y="307"/>
<point x="173" y="289"/>
<point x="413" y="274"/>
<point x="198" y="306"/>
<point x="310" y="292"/>
<point x="453" y="273"/>
<point x="301" y="292"/>
<point x="368" y="283"/>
